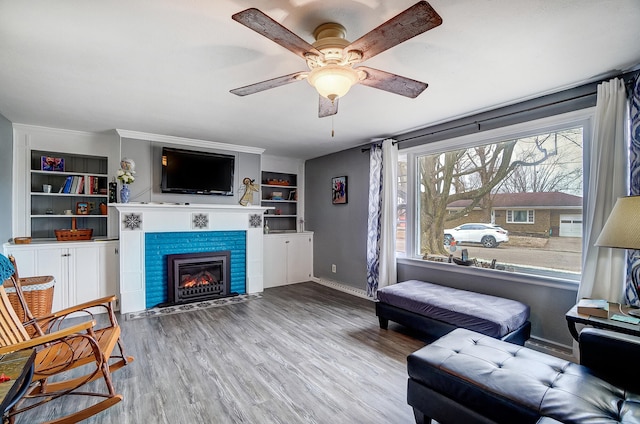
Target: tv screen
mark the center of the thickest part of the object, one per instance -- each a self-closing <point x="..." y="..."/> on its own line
<point x="189" y="172"/>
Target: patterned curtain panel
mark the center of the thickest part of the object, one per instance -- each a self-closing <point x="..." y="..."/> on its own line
<point x="374" y="219"/>
<point x="633" y="256"/>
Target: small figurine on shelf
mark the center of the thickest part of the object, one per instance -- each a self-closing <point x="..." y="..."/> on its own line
<point x="266" y="226"/>
<point x="249" y="189"/>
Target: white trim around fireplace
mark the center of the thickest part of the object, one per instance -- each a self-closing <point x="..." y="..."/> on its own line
<point x="136" y="219"/>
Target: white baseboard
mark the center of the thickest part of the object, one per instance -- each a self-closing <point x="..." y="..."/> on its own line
<point x="342" y="287"/>
<point x="551" y="348"/>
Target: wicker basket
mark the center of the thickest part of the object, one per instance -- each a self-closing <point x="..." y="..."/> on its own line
<point x="38" y="293"/>
<point x="74" y="235"/>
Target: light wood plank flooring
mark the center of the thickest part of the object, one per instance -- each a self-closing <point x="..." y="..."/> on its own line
<point x="302" y="353"/>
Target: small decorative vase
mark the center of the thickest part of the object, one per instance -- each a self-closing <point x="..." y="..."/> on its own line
<point x="124" y="193"/>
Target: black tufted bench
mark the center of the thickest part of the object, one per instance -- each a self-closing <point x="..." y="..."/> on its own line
<point x="467" y="377"/>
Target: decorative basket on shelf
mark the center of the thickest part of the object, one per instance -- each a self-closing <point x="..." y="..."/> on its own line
<point x="74" y="234"/>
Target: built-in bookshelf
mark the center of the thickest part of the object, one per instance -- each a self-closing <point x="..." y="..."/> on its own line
<point x="280" y="191"/>
<point x="64" y="186"/>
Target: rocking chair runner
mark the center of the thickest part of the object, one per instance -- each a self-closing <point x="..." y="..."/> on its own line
<point x="40" y="325"/>
<point x="59" y="352"/>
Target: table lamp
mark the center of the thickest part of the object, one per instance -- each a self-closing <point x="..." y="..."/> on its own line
<point x="622" y="231"/>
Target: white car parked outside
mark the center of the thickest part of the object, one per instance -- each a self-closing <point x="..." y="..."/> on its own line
<point x="489" y="235"/>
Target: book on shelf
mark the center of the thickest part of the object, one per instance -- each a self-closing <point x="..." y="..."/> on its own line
<point x="93" y="185"/>
<point x="74" y="185"/>
<point x="67" y="184"/>
<point x="594" y="307"/>
<point x="80" y="186"/>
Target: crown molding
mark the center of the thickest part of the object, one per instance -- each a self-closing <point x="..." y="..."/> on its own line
<point x="137" y="135"/>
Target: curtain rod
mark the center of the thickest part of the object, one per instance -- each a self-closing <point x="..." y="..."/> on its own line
<point x="484" y="121"/>
<point x="366" y="149"/>
<point x="627" y="78"/>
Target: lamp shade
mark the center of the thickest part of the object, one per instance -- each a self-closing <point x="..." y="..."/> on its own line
<point x="6" y="268"/>
<point x="622" y="229"/>
<point x="333" y="81"/>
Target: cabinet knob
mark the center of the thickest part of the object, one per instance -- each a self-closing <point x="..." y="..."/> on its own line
<point x="66" y="254"/>
<point x="287" y="241"/>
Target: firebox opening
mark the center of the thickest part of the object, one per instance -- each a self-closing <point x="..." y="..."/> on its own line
<point x="200" y="276"/>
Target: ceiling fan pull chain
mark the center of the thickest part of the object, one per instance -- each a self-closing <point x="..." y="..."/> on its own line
<point x="332" y="126"/>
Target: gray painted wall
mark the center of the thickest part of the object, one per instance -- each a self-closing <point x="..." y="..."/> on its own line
<point x="6" y="177"/>
<point x="340" y="237"/>
<point x="340" y="231"/>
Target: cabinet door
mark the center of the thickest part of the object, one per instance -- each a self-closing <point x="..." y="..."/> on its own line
<point x="84" y="274"/>
<point x="25" y="260"/>
<point x="274" y="262"/>
<point x="53" y="261"/>
<point x="298" y="258"/>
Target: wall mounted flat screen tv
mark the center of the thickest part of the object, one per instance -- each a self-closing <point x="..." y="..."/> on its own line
<point x="189" y="172"/>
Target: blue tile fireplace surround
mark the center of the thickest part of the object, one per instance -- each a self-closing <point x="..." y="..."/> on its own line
<point x="159" y="245"/>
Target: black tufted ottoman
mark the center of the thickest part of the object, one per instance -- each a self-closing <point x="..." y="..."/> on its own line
<point x="467" y="377"/>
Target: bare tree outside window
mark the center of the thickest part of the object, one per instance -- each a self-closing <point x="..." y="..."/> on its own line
<point x="537" y="179"/>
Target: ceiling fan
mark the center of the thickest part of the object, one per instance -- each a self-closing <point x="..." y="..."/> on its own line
<point x="331" y="57"/>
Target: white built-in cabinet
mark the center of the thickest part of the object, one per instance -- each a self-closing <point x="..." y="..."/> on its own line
<point x="288" y="258"/>
<point x="83" y="271"/>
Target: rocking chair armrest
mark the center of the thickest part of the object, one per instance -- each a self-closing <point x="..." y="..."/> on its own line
<point x="103" y="301"/>
<point x="48" y="338"/>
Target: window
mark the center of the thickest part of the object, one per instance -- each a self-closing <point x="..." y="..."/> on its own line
<point x="521" y="216"/>
<point x="505" y="198"/>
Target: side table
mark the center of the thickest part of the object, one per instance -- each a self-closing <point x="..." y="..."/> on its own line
<point x="19" y="367"/>
<point x="573" y="318"/>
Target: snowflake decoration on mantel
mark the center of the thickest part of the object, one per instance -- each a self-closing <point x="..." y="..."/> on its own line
<point x="132" y="221"/>
<point x="255" y="220"/>
<point x="199" y="221"/>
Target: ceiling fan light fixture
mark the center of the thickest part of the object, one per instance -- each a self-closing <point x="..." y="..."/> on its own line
<point x="333" y="81"/>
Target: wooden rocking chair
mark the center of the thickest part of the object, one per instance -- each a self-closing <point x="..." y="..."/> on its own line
<point x="59" y="354"/>
<point x="40" y="325"/>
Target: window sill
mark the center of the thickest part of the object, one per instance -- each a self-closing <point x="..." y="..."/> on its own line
<point x="496" y="275"/>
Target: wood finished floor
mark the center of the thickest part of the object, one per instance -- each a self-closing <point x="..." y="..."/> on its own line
<point x="302" y="353"/>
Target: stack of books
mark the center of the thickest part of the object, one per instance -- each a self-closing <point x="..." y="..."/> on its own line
<point x="594" y="307"/>
<point x="73" y="185"/>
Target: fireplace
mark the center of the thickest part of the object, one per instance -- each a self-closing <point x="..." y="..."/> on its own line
<point x="193" y="277"/>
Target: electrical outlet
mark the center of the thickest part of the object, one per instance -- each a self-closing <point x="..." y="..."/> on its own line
<point x="333" y="268"/>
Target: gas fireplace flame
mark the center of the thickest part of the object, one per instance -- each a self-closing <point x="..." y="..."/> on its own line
<point x="203" y="278"/>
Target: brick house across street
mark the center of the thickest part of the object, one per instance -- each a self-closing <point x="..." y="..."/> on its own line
<point x="545" y="214"/>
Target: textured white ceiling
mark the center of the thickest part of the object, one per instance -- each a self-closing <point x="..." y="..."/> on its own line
<point x="166" y="66"/>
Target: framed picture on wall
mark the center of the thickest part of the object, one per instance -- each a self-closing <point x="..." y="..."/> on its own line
<point x="339" y="190"/>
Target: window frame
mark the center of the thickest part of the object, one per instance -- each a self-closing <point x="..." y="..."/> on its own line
<point x="582" y="117"/>
<point x="531" y="216"/>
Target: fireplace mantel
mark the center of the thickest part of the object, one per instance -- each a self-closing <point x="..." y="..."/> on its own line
<point x="136" y="219"/>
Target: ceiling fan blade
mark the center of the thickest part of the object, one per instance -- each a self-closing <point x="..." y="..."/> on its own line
<point x="392" y="83"/>
<point x="266" y="26"/>
<point x="419" y="18"/>
<point x="327" y="107"/>
<point x="266" y="85"/>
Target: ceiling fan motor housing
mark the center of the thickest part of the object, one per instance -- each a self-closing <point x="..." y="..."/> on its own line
<point x="332" y="75"/>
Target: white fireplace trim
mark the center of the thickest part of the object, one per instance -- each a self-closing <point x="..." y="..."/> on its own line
<point x="172" y="217"/>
